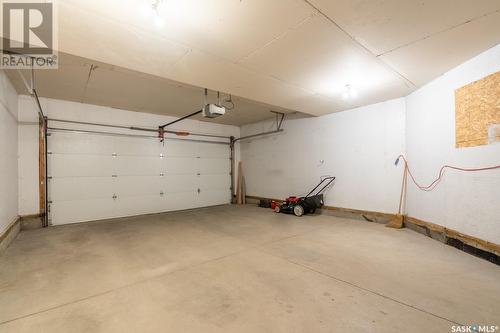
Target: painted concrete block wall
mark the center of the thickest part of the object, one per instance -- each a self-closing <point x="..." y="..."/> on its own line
<point x="59" y="109"/>
<point x="466" y="202"/>
<point x="8" y="153"/>
<point x="358" y="146"/>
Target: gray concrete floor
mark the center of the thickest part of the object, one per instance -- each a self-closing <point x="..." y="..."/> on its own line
<point x="241" y="269"/>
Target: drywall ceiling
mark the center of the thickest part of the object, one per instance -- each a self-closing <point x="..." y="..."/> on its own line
<point x="87" y="81"/>
<point x="420" y="39"/>
<point x="295" y="54"/>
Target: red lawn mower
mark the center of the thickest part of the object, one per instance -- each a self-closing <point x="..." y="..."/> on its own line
<point x="308" y="204"/>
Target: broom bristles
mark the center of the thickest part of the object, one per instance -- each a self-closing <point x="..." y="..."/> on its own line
<point x="396" y="222"/>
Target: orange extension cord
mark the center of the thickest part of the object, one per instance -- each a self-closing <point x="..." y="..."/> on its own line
<point x="441" y="172"/>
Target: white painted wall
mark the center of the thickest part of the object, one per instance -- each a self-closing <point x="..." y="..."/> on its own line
<point x="466" y="202"/>
<point x="358" y="146"/>
<point x="8" y="153"/>
<point x="28" y="164"/>
<point x="28" y="157"/>
<point x="58" y="109"/>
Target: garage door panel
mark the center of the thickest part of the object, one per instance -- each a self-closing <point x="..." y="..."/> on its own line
<point x="179" y="183"/>
<point x="177" y="148"/>
<point x="214" y="197"/>
<point x="215" y="182"/>
<point x="139" y="205"/>
<point x="79" y="165"/>
<point x="64" y="212"/>
<point x="144" y="176"/>
<point x="139" y="165"/>
<point x="181" y="165"/>
<point x="138" y="146"/>
<point x="81" y="188"/>
<point x="71" y="143"/>
<point x="136" y="186"/>
<point x="214" y="166"/>
<point x="182" y="200"/>
<point x="213" y="150"/>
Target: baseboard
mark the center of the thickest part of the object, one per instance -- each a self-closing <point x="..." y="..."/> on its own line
<point x="29" y="216"/>
<point x="357" y="214"/>
<point x="30" y="222"/>
<point x="10" y="234"/>
<point x="366" y="215"/>
<point x="472" y="245"/>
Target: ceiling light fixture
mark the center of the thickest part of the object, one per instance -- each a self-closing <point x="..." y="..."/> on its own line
<point x="349" y="92"/>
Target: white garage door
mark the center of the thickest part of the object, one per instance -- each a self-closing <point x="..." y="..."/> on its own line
<point x="95" y="176"/>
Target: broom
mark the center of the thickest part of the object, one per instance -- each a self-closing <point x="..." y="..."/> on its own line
<point x="397" y="221"/>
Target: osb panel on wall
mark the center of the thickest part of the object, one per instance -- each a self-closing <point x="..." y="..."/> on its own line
<point x="477" y="112"/>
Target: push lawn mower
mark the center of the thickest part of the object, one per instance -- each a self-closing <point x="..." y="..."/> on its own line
<point x="305" y="205"/>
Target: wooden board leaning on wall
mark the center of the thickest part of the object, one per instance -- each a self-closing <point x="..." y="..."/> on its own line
<point x="477" y="112"/>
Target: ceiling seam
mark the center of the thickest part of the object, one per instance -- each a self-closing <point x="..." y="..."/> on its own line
<point x="171" y="66"/>
<point x="407" y="80"/>
<point x="278" y="37"/>
<point x="439" y="32"/>
<point x="284" y="82"/>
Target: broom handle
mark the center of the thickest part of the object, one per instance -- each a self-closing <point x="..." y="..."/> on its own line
<point x="403" y="188"/>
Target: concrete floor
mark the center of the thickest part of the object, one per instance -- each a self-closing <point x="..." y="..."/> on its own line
<point x="241" y="269"/>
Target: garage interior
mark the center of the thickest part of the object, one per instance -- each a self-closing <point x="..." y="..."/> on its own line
<point x="253" y="166"/>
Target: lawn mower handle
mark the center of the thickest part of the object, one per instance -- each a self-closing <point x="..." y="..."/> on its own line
<point x="329" y="180"/>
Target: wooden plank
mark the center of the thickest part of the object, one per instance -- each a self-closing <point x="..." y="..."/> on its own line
<point x="450" y="233"/>
<point x="477" y="112"/>
<point x="41" y="167"/>
<point x="239" y="198"/>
